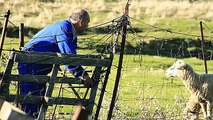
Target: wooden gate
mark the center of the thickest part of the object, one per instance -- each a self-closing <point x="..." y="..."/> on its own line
<point x="99" y="62"/>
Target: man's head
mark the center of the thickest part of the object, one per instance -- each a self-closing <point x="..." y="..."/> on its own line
<point x="80" y="19"/>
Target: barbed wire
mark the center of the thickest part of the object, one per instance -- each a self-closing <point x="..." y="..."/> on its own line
<point x="104" y="42"/>
<point x="133" y="32"/>
<point x="211" y="31"/>
<point x="64" y="34"/>
<point x="157" y="91"/>
<point x="158" y="51"/>
<point x="113" y="20"/>
<point x="17" y="28"/>
<point x="167" y="30"/>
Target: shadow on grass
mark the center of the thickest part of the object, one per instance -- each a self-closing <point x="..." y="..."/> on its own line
<point x="175" y="48"/>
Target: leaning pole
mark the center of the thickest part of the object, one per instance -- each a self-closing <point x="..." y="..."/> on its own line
<point x="124" y="31"/>
<point x="4" y="30"/>
<point x="203" y="47"/>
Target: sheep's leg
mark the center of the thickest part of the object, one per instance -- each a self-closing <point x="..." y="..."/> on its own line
<point x="191" y="111"/>
<point x="208" y="109"/>
<point x="203" y="106"/>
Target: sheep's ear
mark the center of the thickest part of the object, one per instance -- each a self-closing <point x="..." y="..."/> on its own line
<point x="181" y="65"/>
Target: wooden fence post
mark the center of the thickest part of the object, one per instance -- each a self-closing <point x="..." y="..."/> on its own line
<point x="124" y="29"/>
<point x="21" y="35"/>
<point x="4" y="30"/>
<point x="103" y="88"/>
<point x="203" y="46"/>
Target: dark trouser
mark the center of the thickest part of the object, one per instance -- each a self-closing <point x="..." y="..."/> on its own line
<point x="33" y="88"/>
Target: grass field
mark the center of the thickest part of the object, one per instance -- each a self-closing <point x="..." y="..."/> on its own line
<point x="144" y="91"/>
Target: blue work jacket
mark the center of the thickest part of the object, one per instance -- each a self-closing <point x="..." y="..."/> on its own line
<point x="57" y="37"/>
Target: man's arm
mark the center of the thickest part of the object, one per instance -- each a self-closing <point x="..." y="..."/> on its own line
<point x="67" y="45"/>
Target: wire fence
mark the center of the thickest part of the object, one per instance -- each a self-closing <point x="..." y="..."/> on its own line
<point x="144" y="91"/>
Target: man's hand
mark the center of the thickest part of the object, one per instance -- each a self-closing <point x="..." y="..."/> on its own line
<point x="87" y="81"/>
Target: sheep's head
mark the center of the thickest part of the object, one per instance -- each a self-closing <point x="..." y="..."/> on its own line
<point x="177" y="69"/>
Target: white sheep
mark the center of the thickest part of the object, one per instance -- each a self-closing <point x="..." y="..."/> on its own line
<point x="200" y="86"/>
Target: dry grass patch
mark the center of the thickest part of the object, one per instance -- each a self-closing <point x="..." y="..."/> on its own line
<point x="38" y="14"/>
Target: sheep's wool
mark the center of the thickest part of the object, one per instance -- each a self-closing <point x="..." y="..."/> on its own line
<point x="198" y="85"/>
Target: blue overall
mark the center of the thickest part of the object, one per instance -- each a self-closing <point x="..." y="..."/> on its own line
<point x="57" y="37"/>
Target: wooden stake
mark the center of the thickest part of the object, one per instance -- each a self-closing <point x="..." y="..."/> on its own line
<point x="4" y="30"/>
<point x="203" y="46"/>
<point x="124" y="29"/>
<point x="21" y="35"/>
<point x="104" y="87"/>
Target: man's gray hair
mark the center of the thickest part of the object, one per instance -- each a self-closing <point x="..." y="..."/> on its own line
<point x="79" y="14"/>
